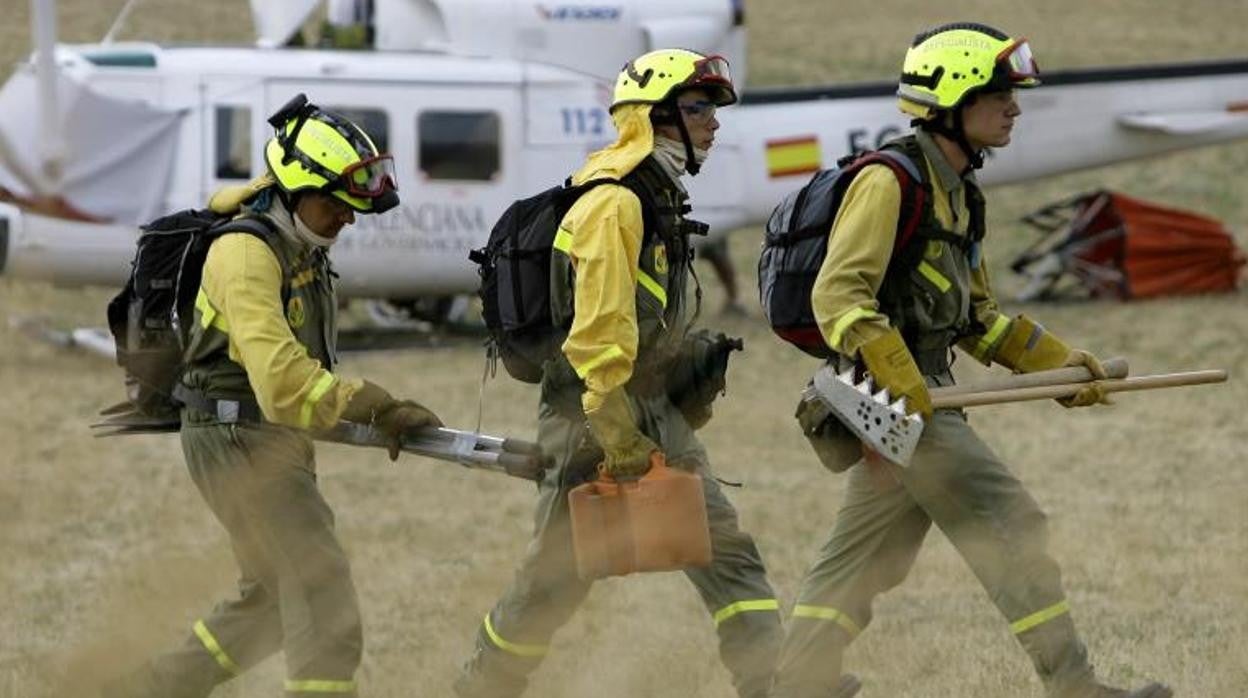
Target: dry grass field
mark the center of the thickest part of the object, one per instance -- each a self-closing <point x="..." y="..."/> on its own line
<point x="107" y="553"/>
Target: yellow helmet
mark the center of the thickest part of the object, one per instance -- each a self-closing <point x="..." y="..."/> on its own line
<point x="655" y="76"/>
<point x="319" y="150"/>
<point x="947" y="64"/>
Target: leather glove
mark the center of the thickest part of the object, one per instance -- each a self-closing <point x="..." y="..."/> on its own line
<point x="696" y="416"/>
<point x="392" y="418"/>
<point x="400" y="418"/>
<point x="892" y="366"/>
<point x="626" y="450"/>
<point x="1028" y="347"/>
<point x="698" y="375"/>
<point x="1093" y="393"/>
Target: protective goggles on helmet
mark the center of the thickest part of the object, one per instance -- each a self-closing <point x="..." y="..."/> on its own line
<point x="1018" y="62"/>
<point x="713" y="72"/>
<point x="712" y="69"/>
<point x="369" y="178"/>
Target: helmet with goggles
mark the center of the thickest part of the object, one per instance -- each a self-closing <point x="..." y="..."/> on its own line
<point x="946" y="65"/>
<point x="654" y="77"/>
<point x="315" y="149"/>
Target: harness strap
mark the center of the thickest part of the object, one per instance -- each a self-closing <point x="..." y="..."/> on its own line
<point x="226" y="411"/>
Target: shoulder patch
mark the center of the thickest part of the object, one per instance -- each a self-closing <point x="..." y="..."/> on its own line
<point x="296" y="314"/>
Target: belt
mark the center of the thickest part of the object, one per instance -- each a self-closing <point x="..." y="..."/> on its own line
<point x="226" y="411"/>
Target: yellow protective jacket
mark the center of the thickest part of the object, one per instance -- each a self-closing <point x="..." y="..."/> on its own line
<point x="627" y="289"/>
<point x="605" y="229"/>
<point x="254" y="338"/>
<point x="846" y="294"/>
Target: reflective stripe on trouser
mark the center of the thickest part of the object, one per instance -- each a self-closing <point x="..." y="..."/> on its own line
<point x="295" y="589"/>
<point x="546" y="590"/>
<point x="331" y="688"/>
<point x="955" y="481"/>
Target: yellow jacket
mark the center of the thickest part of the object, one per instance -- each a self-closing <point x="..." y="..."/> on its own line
<point x="241" y="286"/>
<point x="606" y="232"/>
<point x="861" y="245"/>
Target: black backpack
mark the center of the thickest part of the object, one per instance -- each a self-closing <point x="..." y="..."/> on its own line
<point x="796" y="240"/>
<point x="515" y="276"/>
<point x="151" y="317"/>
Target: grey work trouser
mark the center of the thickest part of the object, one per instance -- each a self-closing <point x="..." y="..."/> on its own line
<point x="295" y="588"/>
<point x="512" y="640"/>
<point x="955" y="481"/>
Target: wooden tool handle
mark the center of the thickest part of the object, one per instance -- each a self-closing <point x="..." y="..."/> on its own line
<point x="1114" y="368"/>
<point x="1042" y="392"/>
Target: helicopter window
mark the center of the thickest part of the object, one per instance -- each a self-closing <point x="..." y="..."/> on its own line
<point x="233" y="151"/>
<point x="373" y="121"/>
<point x="459" y="145"/>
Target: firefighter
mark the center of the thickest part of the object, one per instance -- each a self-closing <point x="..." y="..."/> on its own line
<point x="258" y="376"/>
<point x="900" y="323"/>
<point x="605" y="394"/>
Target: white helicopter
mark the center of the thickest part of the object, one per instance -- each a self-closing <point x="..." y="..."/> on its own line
<point x="482" y="102"/>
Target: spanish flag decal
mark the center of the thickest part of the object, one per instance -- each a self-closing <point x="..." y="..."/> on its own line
<point x="793" y="156"/>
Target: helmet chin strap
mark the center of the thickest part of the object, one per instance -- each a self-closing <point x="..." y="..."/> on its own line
<point x="957" y="134"/>
<point x="692" y="166"/>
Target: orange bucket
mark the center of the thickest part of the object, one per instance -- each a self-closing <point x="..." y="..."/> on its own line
<point x="652" y="524"/>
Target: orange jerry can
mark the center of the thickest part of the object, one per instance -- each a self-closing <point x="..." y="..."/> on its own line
<point x="651" y="524"/>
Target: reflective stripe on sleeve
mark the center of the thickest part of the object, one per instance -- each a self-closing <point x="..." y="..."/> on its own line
<point x="838" y="330"/>
<point x="314" y="396"/>
<point x="647" y="282"/>
<point x="214" y="648"/>
<point x="208" y="315"/>
<point x="750" y="606"/>
<point x="1040" y="617"/>
<point x="827" y="613"/>
<point x="319" y="686"/>
<point x="930" y="273"/>
<point x="612" y="352"/>
<point x="563" y="240"/>
<point x="511" y="647"/>
<point x="991" y="336"/>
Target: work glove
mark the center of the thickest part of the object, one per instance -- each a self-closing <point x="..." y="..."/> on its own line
<point x="892" y="366"/>
<point x="391" y="418"/>
<point x="1028" y="347"/>
<point x="698" y="375"/>
<point x="626" y="450"/>
<point x="1093" y="393"/>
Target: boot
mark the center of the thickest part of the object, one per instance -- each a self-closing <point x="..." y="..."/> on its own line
<point x="474" y="682"/>
<point x="140" y="683"/>
<point x="130" y="686"/>
<point x="155" y="679"/>
<point x="1099" y="690"/>
<point x="847" y="687"/>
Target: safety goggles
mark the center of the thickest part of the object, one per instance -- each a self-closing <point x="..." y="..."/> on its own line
<point x="369" y="178"/>
<point x="712" y="70"/>
<point x="698" y="112"/>
<point x="1018" y="62"/>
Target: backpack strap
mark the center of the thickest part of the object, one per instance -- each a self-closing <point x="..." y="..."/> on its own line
<point x="257" y="226"/>
<point x="916" y="191"/>
<point x="266" y="230"/>
<point x="649" y="210"/>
